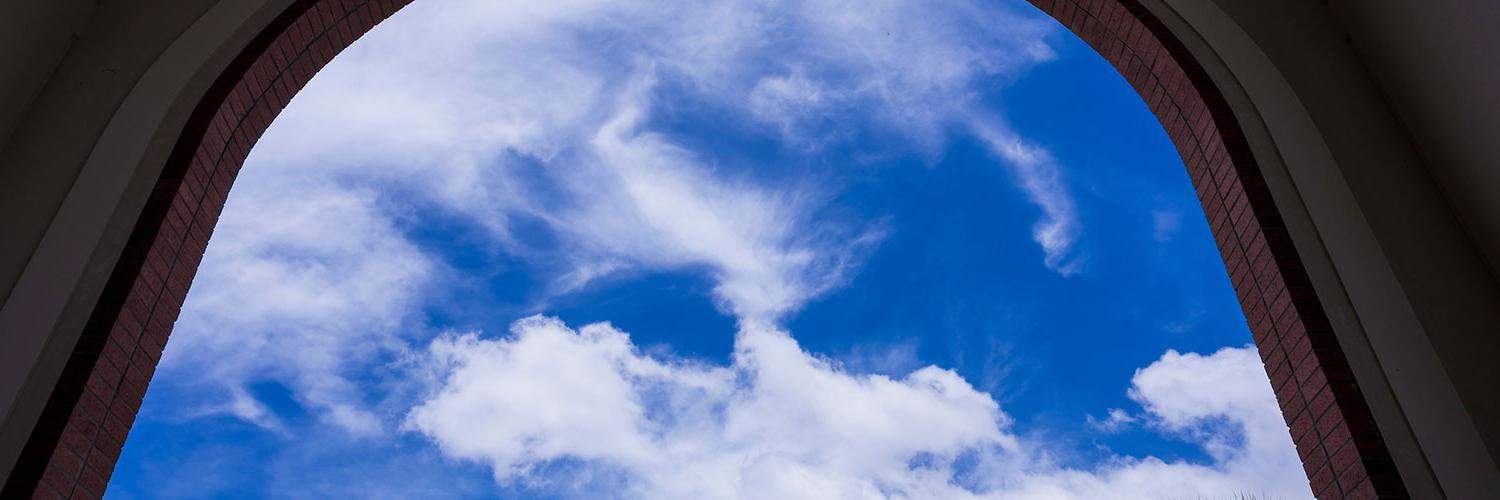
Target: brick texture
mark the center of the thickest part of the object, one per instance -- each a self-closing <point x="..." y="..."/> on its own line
<point x="73" y="450"/>
<point x="1341" y="450"/>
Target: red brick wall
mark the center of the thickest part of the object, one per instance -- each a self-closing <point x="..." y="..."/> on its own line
<point x="73" y="450"/>
<point x="1340" y="448"/>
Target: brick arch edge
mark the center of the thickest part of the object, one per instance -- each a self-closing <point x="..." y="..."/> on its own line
<point x="72" y="451"/>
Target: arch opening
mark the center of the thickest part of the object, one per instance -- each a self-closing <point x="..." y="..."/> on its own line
<point x="89" y="414"/>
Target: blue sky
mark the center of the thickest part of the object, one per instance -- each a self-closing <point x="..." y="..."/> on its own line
<point x="722" y="249"/>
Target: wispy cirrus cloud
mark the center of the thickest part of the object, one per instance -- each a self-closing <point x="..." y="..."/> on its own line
<point x="308" y="282"/>
<point x="658" y="205"/>
<point x="1038" y="175"/>
<point x="453" y="99"/>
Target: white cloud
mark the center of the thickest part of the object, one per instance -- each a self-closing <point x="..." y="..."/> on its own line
<point x="1040" y="178"/>
<point x="654" y="203"/>
<point x="777" y="418"/>
<point x="1192" y="394"/>
<point x="795" y="105"/>
<point x="781" y="423"/>
<point x="306" y="281"/>
<point x="1117" y="420"/>
<point x="1222" y="402"/>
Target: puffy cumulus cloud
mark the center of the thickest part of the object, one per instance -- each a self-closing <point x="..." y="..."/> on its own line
<point x="781" y="423"/>
<point x="303" y="283"/>
<point x="1222" y="402"/>
<point x="777" y="422"/>
<point x="1199" y="396"/>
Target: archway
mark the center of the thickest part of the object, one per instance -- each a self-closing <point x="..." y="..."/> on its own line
<point x="89" y="412"/>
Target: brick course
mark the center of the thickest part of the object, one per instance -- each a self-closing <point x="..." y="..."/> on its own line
<point x="1340" y="447"/>
<point x="73" y="450"/>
